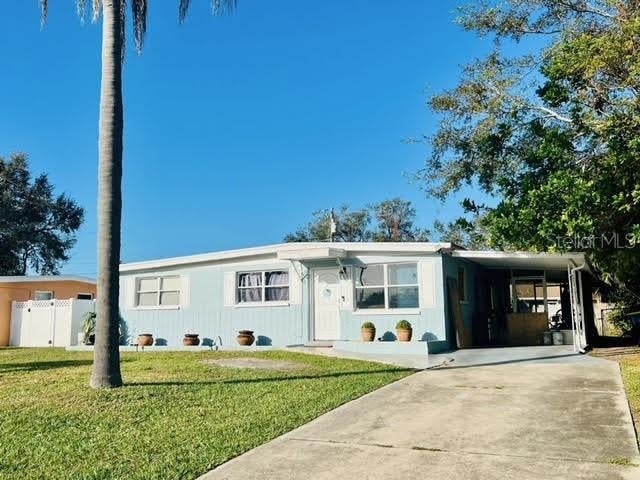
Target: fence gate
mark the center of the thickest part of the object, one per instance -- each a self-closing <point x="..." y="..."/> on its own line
<point x="43" y="323"/>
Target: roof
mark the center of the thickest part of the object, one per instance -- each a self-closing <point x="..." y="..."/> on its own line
<point x="292" y="251"/>
<point x="522" y="260"/>
<point x="326" y="250"/>
<point x="45" y="278"/>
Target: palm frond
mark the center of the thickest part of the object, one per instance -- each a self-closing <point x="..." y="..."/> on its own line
<point x="123" y="29"/>
<point x="183" y="8"/>
<point x="218" y="6"/>
<point x="44" y="11"/>
<point x="224" y="6"/>
<point x="96" y="8"/>
<point x="139" y="10"/>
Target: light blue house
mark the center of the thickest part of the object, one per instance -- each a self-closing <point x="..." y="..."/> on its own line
<point x="300" y="293"/>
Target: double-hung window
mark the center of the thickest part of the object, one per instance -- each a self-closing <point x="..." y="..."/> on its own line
<point x="387" y="286"/>
<point x="263" y="287"/>
<point x="158" y="291"/>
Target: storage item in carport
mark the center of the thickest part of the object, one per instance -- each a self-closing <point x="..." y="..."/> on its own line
<point x="558" y="338"/>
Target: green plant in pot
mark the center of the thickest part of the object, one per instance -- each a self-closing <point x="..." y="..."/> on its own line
<point x="89" y="328"/>
<point x="368" y="332"/>
<point x="404" y="331"/>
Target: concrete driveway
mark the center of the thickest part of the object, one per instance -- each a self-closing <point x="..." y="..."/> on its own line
<point x="492" y="414"/>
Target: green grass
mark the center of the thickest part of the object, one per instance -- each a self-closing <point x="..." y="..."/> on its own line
<point x="176" y="418"/>
<point x="630" y="367"/>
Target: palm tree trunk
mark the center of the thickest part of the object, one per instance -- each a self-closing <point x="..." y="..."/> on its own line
<point x="106" y="357"/>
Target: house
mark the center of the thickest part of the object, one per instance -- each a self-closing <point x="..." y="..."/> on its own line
<point x="42" y="290"/>
<point x="297" y="293"/>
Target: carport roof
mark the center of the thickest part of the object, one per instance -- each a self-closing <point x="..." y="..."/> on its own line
<point x="522" y="260"/>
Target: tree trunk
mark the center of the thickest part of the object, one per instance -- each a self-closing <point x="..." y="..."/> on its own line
<point x="106" y="357"/>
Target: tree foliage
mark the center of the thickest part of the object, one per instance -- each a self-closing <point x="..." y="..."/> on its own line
<point x="395" y="222"/>
<point x="394" y="218"/>
<point x="37" y="228"/>
<point x="553" y="135"/>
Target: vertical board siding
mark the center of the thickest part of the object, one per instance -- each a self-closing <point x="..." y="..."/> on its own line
<point x="207" y="315"/>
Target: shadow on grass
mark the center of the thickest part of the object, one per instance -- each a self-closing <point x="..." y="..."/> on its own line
<point x="268" y="379"/>
<point x="43" y="365"/>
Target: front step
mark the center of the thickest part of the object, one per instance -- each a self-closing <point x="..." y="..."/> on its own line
<point x="319" y="344"/>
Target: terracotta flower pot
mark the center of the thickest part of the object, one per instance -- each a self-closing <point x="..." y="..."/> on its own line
<point x="404" y="335"/>
<point x="191" y="340"/>
<point x="245" y="338"/>
<point x="145" y="339"/>
<point x="368" y="334"/>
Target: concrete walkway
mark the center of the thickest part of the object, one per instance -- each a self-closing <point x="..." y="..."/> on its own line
<point x="494" y="415"/>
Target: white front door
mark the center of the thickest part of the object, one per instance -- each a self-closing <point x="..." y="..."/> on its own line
<point x="326" y="296"/>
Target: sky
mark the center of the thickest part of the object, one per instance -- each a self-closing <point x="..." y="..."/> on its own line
<point x="237" y="127"/>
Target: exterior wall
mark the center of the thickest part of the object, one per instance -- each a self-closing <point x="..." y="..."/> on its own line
<point x="470" y="306"/>
<point x="23" y="291"/>
<point x="428" y="323"/>
<point x="205" y="312"/>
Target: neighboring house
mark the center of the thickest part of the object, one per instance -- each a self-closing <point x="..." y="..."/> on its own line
<point x="39" y="288"/>
<point x="296" y="293"/>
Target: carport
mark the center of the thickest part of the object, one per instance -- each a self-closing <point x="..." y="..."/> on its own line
<point x="518" y="296"/>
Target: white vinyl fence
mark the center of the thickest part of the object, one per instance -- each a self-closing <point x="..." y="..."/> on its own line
<point x="43" y="323"/>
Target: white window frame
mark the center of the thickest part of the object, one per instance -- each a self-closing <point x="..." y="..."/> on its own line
<point x="158" y="291"/>
<point x="263" y="287"/>
<point x="84" y="293"/>
<point x="50" y="292"/>
<point x="385" y="286"/>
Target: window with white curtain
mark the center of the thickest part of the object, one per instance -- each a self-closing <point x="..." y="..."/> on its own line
<point x="263" y="287"/>
<point x="158" y="291"/>
<point x="387" y="286"/>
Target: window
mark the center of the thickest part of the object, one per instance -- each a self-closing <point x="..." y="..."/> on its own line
<point x="85" y="296"/>
<point x="462" y="284"/>
<point x="387" y="286"/>
<point x="43" y="295"/>
<point x="158" y="291"/>
<point x="263" y="287"/>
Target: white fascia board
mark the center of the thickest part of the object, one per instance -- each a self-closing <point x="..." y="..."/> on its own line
<point x="521" y="259"/>
<point x="312" y="254"/>
<point x="45" y="278"/>
<point x="299" y="248"/>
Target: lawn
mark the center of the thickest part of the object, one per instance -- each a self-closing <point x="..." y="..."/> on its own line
<point x="177" y="417"/>
<point x="629" y="360"/>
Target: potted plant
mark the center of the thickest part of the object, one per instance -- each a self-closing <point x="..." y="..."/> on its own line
<point x="245" y="338"/>
<point x="89" y="328"/>
<point x="404" y="330"/>
<point x="368" y="332"/>
<point x="191" y="340"/>
<point x="145" y="339"/>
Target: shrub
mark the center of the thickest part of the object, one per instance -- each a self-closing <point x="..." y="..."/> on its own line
<point x="89" y="326"/>
<point x="403" y="325"/>
<point x="368" y="325"/>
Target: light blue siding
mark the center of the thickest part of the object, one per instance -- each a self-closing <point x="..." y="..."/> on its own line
<point x="428" y="325"/>
<point x="207" y="315"/>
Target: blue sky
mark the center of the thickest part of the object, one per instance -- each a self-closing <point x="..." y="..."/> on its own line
<point x="236" y="127"/>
